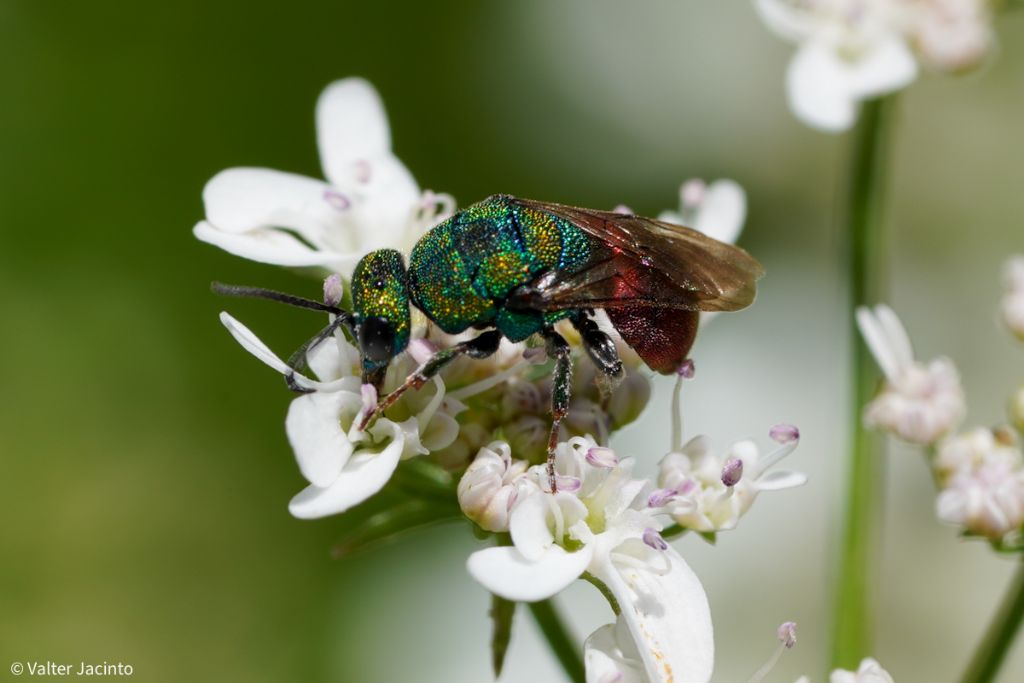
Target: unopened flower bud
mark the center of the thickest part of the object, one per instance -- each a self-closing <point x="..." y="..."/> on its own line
<point x="629" y="399"/>
<point x="528" y="436"/>
<point x="488" y="489"/>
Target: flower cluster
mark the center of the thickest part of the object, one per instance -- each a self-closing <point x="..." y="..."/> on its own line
<point x="979" y="473"/>
<point x="600" y="523"/>
<point x="853" y="50"/>
<point x="706" y="493"/>
<point x="488" y="419"/>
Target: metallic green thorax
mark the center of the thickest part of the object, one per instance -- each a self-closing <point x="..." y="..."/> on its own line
<point x="463" y="269"/>
<point x="379" y="290"/>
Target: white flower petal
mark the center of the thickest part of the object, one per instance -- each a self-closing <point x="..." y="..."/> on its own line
<point x="896" y="334"/>
<point x="506" y="573"/>
<point x="776" y="481"/>
<point x="722" y="212"/>
<point x="351" y="127"/>
<point x="363" y="475"/>
<point x="887" y="67"/>
<point x="605" y="662"/>
<point x="878" y="343"/>
<point x="241" y="200"/>
<point x="265" y="245"/>
<point x="668" y="616"/>
<point x="314" y="430"/>
<point x="818" y="88"/>
<point x="786" y="20"/>
<point x="529" y="526"/>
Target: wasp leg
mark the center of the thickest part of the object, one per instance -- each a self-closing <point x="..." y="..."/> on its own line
<point x="561" y="389"/>
<point x="297" y="361"/>
<point x="481" y="346"/>
<point x="599" y="346"/>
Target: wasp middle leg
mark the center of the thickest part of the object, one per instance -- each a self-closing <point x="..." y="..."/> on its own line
<point x="481" y="346"/>
<point x="561" y="391"/>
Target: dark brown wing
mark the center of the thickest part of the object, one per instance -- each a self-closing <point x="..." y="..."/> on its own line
<point x="641" y="261"/>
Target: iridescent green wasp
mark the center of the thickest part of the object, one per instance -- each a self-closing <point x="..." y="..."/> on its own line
<point x="514" y="267"/>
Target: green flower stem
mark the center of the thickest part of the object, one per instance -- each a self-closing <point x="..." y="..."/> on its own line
<point x="990" y="654"/>
<point x="852" y="614"/>
<point x="557" y="635"/>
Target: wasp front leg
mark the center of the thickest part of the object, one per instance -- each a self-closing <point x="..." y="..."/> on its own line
<point x="561" y="391"/>
<point x="481" y="346"/>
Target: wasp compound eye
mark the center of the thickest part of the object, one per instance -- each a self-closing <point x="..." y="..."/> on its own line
<point x="377" y="339"/>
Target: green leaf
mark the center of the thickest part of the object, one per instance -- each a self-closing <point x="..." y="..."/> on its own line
<point x="709" y="536"/>
<point x="502" y="612"/>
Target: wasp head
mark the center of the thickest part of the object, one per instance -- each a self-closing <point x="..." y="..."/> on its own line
<point x="381" y="300"/>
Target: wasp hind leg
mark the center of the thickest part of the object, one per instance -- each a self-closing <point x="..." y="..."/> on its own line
<point x="561" y="391"/>
<point x="481" y="346"/>
<point x="601" y="349"/>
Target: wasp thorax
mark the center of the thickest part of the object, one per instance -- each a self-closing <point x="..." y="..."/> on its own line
<point x="381" y="302"/>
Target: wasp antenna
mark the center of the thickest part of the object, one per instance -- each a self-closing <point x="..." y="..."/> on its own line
<point x="280" y="297"/>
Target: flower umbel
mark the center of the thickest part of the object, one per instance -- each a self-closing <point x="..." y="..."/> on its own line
<point x="920" y="403"/>
<point x="598" y="523"/>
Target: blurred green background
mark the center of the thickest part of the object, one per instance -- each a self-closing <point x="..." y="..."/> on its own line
<point x="145" y="469"/>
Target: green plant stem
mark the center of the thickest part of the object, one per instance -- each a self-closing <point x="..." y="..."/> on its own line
<point x="990" y="654"/>
<point x="557" y="635"/>
<point x="852" y="615"/>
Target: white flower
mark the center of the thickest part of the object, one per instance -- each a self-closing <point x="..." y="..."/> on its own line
<point x="870" y="671"/>
<point x="343" y="465"/>
<point x="717" y="210"/>
<point x="920" y="403"/>
<point x="970" y="451"/>
<point x="849" y="51"/>
<point x="599" y="522"/>
<point x="489" y="487"/>
<point x="953" y="35"/>
<point x="706" y="493"/>
<point x="369" y="201"/>
<point x="1013" y="299"/>
<point x="853" y="50"/>
<point x="982" y="477"/>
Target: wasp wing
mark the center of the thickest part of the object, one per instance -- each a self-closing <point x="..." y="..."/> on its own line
<point x="641" y="261"/>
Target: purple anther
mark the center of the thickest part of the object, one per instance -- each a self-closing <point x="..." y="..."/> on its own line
<point x="602" y="457"/>
<point x="732" y="471"/>
<point x="369" y="394"/>
<point x="686" y="369"/>
<point x="653" y="538"/>
<point x="567" y="484"/>
<point x="787" y="633"/>
<point x="421" y="350"/>
<point x="784" y="433"/>
<point x="333" y="290"/>
<point x="661" y="497"/>
<point x="337" y="200"/>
